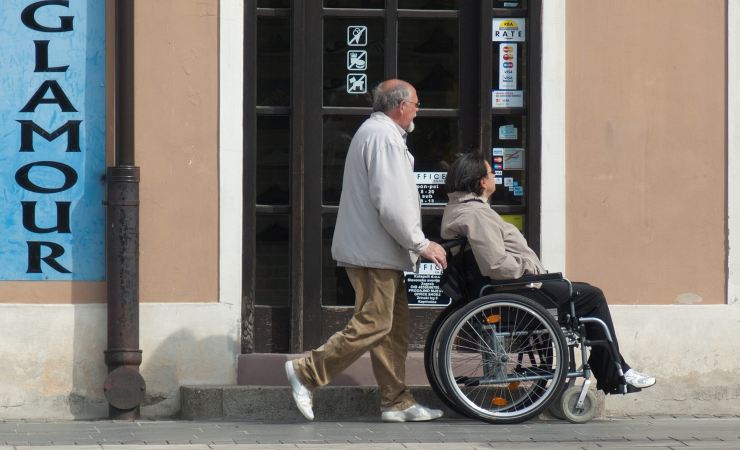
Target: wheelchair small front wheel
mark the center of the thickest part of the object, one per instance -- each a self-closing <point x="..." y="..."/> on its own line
<point x="568" y="401"/>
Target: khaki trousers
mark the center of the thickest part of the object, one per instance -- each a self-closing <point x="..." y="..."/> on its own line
<point x="379" y="324"/>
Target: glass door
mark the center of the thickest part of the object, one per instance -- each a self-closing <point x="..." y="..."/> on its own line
<point x="363" y="43"/>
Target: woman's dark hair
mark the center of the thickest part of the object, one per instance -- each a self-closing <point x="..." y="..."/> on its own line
<point x="466" y="173"/>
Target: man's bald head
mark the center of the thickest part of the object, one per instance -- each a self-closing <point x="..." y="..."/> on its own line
<point x="389" y="94"/>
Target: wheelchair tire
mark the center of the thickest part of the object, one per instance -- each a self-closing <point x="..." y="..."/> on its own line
<point x="502" y="358"/>
<point x="431" y="351"/>
<point x="568" y="405"/>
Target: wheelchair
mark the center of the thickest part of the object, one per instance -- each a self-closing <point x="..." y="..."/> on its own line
<point x="505" y="351"/>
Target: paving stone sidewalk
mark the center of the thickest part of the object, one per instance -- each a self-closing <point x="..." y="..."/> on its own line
<point x="610" y="433"/>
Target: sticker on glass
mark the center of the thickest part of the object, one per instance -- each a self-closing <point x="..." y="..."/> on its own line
<point x="513" y="158"/>
<point x="508" y="133"/>
<point x="508" y="99"/>
<point x="515" y="219"/>
<point x="356" y="60"/>
<point x="498" y="152"/>
<point x="430" y="177"/>
<point x="356" y="83"/>
<point x="429" y="185"/>
<point x="357" y="35"/>
<point x="509" y="30"/>
<point x="508" y="181"/>
<point x="507" y="66"/>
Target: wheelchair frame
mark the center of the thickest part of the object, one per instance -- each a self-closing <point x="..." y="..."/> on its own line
<point x="548" y="343"/>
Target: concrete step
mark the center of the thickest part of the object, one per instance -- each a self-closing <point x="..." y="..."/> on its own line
<point x="276" y="403"/>
<point x="262" y="392"/>
<point x="267" y="369"/>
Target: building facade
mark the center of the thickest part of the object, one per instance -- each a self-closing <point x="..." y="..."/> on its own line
<point x="615" y="125"/>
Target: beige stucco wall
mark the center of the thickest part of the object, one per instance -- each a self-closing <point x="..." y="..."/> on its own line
<point x="177" y="150"/>
<point x="646" y="146"/>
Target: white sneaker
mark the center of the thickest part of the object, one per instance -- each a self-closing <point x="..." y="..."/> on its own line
<point x="638" y="380"/>
<point x="302" y="396"/>
<point x="414" y="413"/>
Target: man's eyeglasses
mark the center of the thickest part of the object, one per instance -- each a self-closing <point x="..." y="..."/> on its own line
<point x="418" y="104"/>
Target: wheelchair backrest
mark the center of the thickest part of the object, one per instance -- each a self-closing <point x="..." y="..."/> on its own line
<point x="463" y="281"/>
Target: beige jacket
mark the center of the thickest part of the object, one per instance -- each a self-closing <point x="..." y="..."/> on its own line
<point x="379" y="219"/>
<point x="499" y="248"/>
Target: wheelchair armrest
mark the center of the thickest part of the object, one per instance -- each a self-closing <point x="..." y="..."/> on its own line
<point x="526" y="279"/>
<point x="449" y="244"/>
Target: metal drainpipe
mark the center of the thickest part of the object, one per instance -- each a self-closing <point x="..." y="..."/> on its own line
<point x="124" y="386"/>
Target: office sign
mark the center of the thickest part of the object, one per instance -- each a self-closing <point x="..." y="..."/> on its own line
<point x="423" y="288"/>
<point x="52" y="136"/>
<point x="431" y="188"/>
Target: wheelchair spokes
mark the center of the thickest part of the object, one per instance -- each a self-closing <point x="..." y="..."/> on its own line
<point x="502" y="360"/>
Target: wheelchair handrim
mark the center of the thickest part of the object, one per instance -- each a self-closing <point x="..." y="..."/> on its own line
<point x="544" y="390"/>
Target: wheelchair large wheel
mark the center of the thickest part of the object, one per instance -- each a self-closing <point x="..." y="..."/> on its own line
<point x="431" y="357"/>
<point x="502" y="358"/>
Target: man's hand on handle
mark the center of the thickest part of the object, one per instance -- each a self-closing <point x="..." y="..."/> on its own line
<point x="436" y="254"/>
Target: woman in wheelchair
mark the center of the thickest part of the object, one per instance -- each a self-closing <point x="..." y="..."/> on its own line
<point x="502" y="253"/>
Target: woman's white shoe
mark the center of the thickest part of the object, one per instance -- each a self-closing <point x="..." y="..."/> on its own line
<point x="638" y="380"/>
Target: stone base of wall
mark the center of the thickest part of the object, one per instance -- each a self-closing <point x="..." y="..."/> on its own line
<point x="53" y="361"/>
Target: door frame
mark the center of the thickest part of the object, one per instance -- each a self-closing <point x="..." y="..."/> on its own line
<point x="305" y="309"/>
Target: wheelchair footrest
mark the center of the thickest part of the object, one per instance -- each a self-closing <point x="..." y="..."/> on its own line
<point x="621" y="389"/>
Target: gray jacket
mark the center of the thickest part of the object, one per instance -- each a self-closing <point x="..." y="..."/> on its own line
<point x="379" y="220"/>
<point x="499" y="248"/>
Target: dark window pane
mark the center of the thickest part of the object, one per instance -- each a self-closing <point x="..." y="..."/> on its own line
<point x="432" y="227"/>
<point x="434" y="144"/>
<point x="273" y="160"/>
<point x="336" y="289"/>
<point x="509" y="161"/>
<point x="428" y="59"/>
<point x="338" y="132"/>
<point x="429" y="4"/>
<point x="273" y="61"/>
<point x="272" y="262"/>
<point x="353" y="60"/>
<point x="375" y="4"/>
<point x="273" y="3"/>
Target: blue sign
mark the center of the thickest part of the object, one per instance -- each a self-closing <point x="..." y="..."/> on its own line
<point x="52" y="140"/>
